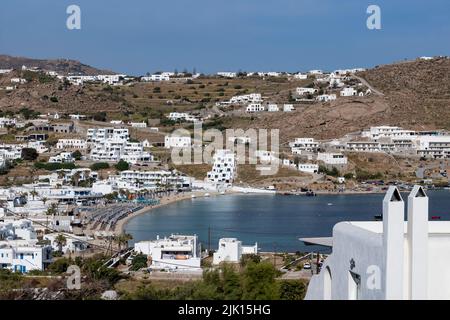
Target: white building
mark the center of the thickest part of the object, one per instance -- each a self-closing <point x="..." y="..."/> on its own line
<point x="348" y="92"/>
<point x="177" y="142"/>
<point x="273" y="107"/>
<point x="63" y="157"/>
<point x="176" y="252"/>
<point x="326" y="97"/>
<point x="254" y="107"/>
<point x="332" y="158"/>
<point x="389" y="259"/>
<point x="231" y="250"/>
<point x="152" y="179"/>
<point x="138" y="124"/>
<point x="308" y="167"/>
<point x="248" y="98"/>
<point x="303" y="91"/>
<point x="300" y="145"/>
<point x="23" y="256"/>
<point x="71" y="144"/>
<point x="73" y="243"/>
<point x="376" y="133"/>
<point x="288" y="108"/>
<point x="18" y="80"/>
<point x="363" y="146"/>
<point x="156" y="77"/>
<point x="300" y="76"/>
<point x="7" y="122"/>
<point x="224" y="167"/>
<point x="227" y="74"/>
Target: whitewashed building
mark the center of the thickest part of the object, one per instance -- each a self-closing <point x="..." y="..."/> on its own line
<point x="348" y="92"/>
<point x="71" y="144"/>
<point x="288" y="107"/>
<point x="300" y="145"/>
<point x="231" y="250"/>
<point x="224" y="167"/>
<point x="177" y="142"/>
<point x="302" y="91"/>
<point x="308" y="167"/>
<point x="391" y="259"/>
<point x="63" y="157"/>
<point x="254" y="107"/>
<point x="273" y="107"/>
<point x="326" y="97"/>
<point x="177" y="252"/>
<point x="332" y="158"/>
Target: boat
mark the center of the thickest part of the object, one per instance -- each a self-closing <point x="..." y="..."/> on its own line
<point x="207" y="194"/>
<point x="435" y="218"/>
<point x="193" y="196"/>
<point x="378" y="217"/>
<point x="310" y="193"/>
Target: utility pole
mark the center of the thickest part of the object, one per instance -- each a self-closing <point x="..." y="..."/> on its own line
<point x="209" y="239"/>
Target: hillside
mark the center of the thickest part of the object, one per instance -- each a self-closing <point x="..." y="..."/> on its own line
<point x="416" y="95"/>
<point x="62" y="66"/>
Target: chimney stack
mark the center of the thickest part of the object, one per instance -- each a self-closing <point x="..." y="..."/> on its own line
<point x="393" y="243"/>
<point x="418" y="243"/>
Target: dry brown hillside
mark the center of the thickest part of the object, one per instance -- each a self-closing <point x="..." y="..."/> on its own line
<point x="62" y="66"/>
<point x="416" y="95"/>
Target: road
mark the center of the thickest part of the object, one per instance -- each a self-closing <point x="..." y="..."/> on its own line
<point x="364" y="82"/>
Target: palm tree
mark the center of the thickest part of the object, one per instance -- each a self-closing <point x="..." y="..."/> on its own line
<point x="122" y="239"/>
<point x="60" y="241"/>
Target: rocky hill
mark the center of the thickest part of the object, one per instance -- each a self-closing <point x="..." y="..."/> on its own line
<point x="62" y="66"/>
<point x="415" y="95"/>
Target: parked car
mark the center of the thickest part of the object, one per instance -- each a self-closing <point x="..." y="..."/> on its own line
<point x="307" y="266"/>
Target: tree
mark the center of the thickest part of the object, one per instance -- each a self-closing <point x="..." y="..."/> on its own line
<point x="77" y="155"/>
<point x="29" y="154"/>
<point x="139" y="262"/>
<point x="122" y="165"/>
<point x="259" y="282"/>
<point x="99" y="166"/>
<point x="60" y="241"/>
<point x="122" y="239"/>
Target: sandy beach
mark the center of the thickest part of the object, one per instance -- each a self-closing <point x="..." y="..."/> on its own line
<point x="162" y="202"/>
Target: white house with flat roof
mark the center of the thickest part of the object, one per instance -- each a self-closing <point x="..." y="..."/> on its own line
<point x="175" y="252"/>
<point x="388" y="259"/>
<point x="300" y="145"/>
<point x="332" y="158"/>
<point x="231" y="250"/>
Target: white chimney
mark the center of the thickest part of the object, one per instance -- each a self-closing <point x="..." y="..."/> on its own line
<point x="393" y="243"/>
<point x="418" y="243"/>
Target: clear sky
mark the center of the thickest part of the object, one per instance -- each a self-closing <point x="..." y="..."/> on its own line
<point x="139" y="36"/>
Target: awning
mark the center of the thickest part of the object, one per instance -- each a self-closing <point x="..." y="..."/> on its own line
<point x="325" y="241"/>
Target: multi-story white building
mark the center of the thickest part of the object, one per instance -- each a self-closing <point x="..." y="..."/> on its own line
<point x="437" y="147"/>
<point x="224" y="167"/>
<point x="152" y="179"/>
<point x="363" y="146"/>
<point x="177" y="142"/>
<point x="24" y="256"/>
<point x="332" y="158"/>
<point x="300" y="76"/>
<point x="231" y="250"/>
<point x="376" y="133"/>
<point x="95" y="135"/>
<point x="248" y="98"/>
<point x="300" y="145"/>
<point x="254" y="107"/>
<point x="175" y="252"/>
<point x="7" y="122"/>
<point x="182" y="116"/>
<point x="71" y="144"/>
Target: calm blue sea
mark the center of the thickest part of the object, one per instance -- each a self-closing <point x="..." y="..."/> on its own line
<point x="275" y="222"/>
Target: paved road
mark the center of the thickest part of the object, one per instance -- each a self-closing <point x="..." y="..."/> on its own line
<point x="364" y="82"/>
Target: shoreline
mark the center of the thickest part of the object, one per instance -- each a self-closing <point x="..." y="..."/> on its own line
<point x="200" y="194"/>
<point x="162" y="202"/>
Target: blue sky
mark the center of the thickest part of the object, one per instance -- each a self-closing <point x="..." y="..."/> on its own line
<point x="139" y="36"/>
